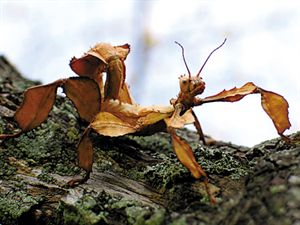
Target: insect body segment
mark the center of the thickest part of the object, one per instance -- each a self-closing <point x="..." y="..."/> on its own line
<point x="115" y="78"/>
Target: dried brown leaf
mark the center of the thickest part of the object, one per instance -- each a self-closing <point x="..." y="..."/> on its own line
<point x="37" y="104"/>
<point x="85" y="95"/>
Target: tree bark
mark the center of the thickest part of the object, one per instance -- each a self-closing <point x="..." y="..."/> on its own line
<point x="137" y="180"/>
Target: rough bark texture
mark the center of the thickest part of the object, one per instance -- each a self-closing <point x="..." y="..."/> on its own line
<point x="137" y="180"/>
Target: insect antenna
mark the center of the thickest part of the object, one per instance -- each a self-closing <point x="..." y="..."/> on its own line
<point x="184" y="59"/>
<point x="198" y="74"/>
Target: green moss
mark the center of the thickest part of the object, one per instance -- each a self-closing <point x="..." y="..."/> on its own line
<point x="14" y="204"/>
<point x="167" y="169"/>
<point x="135" y="215"/>
<point x="157" y="218"/>
<point x="2" y="125"/>
<point x="6" y="170"/>
<point x="158" y="143"/>
<point x="278" y="208"/>
<point x="52" y="145"/>
<point x="88" y="210"/>
<point x="104" y="209"/>
<point x="161" y="166"/>
<point x="278" y="188"/>
<point x="35" y="145"/>
<point x="138" y="214"/>
<point x="46" y="178"/>
<point x="73" y="134"/>
<point x="144" y="216"/>
<point x="163" y="175"/>
<point x="22" y="84"/>
<point x="83" y="212"/>
<point x="105" y="162"/>
<point x="221" y="161"/>
<point x="179" y="221"/>
<point x="152" y="166"/>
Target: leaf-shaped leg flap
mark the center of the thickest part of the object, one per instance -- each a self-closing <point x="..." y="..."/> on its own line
<point x="185" y="155"/>
<point x="274" y="104"/>
<point x="85" y="95"/>
<point x="85" y="158"/>
<point x="276" y="107"/>
<point x="35" y="108"/>
<point x="85" y="152"/>
<point x="37" y="104"/>
<point x="232" y="95"/>
<point x="88" y="65"/>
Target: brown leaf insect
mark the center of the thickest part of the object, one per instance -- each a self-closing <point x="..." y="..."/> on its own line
<point x="110" y="110"/>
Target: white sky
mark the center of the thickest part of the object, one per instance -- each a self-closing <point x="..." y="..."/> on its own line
<point x="263" y="46"/>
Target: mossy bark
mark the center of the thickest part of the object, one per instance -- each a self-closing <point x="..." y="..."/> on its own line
<point x="137" y="180"/>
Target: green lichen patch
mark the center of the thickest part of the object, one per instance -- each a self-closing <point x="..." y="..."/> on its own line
<point x="162" y="170"/>
<point x="221" y="161"/>
<point x="52" y="145"/>
<point x="179" y="221"/>
<point x="106" y="209"/>
<point x="85" y="211"/>
<point x="163" y="175"/>
<point x="156" y="143"/>
<point x="46" y="178"/>
<point x="130" y="156"/>
<point x="143" y="215"/>
<point x="14" y="204"/>
<point x="6" y="169"/>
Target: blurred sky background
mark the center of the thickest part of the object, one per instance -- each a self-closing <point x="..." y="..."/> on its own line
<point x="263" y="46"/>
